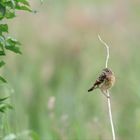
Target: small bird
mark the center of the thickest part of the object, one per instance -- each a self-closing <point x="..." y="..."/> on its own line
<point x="105" y="81"/>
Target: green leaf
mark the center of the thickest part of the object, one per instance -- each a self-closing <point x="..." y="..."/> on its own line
<point x="23" y="7"/>
<point x="9" y="5"/>
<point x="2" y="63"/>
<point x="13" y="3"/>
<point x="5" y="106"/>
<point x="2" y="41"/>
<point x="2" y="45"/>
<point x="2" y="53"/>
<point x="3" y="99"/>
<point x="10" y="14"/>
<point x="12" y="41"/>
<point x="14" y="49"/>
<point x="2" y="11"/>
<point x="3" y="28"/>
<point x="2" y="79"/>
<point x="25" y="2"/>
<point x="13" y="45"/>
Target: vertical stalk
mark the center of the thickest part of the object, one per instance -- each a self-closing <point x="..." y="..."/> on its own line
<point x="108" y="99"/>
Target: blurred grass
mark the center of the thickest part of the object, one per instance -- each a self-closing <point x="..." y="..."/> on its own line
<point x="61" y="58"/>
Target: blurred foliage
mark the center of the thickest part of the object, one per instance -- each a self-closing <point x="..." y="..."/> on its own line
<point x="8" y="11"/>
<point x="4" y="106"/>
<point x="62" y="57"/>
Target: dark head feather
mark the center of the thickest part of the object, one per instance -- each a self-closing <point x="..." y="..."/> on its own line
<point x="107" y="70"/>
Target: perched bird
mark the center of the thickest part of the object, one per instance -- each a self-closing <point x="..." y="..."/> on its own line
<point x="105" y="81"/>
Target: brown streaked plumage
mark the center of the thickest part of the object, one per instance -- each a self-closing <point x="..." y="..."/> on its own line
<point x="105" y="81"/>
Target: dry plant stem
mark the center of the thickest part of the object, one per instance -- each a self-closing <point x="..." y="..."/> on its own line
<point x="110" y="115"/>
<point x="107" y="49"/>
<point x="107" y="92"/>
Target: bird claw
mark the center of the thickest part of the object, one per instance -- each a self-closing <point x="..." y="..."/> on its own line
<point x="107" y="96"/>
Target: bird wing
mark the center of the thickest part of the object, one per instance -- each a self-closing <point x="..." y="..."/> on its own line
<point x="100" y="79"/>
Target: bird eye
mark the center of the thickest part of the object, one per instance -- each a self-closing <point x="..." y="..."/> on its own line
<point x="107" y="70"/>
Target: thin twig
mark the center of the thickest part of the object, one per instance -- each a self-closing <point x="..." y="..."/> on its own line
<point x="108" y="99"/>
<point x="107" y="49"/>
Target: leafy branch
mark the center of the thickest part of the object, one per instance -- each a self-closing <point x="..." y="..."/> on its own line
<point x="8" y="10"/>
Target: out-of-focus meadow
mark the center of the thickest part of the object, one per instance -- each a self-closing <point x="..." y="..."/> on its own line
<point x="61" y="58"/>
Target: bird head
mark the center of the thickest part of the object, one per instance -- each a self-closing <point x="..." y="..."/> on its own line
<point x="107" y="71"/>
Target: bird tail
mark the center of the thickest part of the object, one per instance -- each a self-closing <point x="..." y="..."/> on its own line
<point x="91" y="89"/>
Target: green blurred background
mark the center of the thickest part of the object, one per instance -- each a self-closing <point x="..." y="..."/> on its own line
<point x="61" y="58"/>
